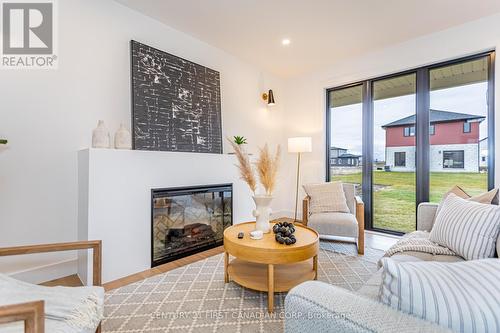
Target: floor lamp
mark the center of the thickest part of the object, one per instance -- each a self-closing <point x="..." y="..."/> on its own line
<point x="299" y="145"/>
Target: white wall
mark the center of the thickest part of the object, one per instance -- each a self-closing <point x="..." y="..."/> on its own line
<point x="49" y="115"/>
<point x="409" y="158"/>
<point x="471" y="157"/>
<point x="116" y="206"/>
<point x="305" y="96"/>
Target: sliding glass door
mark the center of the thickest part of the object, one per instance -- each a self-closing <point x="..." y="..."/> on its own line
<point x="394" y="153"/>
<point x="459" y="117"/>
<point x="345" y="119"/>
<point x="408" y="138"/>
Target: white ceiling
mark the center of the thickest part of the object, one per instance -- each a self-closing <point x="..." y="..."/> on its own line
<point x="321" y="31"/>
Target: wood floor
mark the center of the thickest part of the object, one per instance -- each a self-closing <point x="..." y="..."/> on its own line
<point x="379" y="241"/>
<point x="162" y="268"/>
<point x="372" y="240"/>
<point x="67" y="281"/>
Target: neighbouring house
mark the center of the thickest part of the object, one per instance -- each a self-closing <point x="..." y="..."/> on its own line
<point x="340" y="157"/>
<point x="454" y="142"/>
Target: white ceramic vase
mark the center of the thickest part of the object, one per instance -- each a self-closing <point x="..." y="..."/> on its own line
<point x="123" y="139"/>
<point x="262" y="212"/>
<point x="100" y="136"/>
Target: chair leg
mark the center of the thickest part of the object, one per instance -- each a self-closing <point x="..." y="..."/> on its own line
<point x="361" y="242"/>
<point x="360" y="217"/>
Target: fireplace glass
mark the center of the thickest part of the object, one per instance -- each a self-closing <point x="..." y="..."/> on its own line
<point x="188" y="220"/>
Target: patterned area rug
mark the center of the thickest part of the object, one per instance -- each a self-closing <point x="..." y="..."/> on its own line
<point x="194" y="298"/>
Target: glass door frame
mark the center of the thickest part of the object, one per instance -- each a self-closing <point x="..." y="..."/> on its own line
<point x="422" y="148"/>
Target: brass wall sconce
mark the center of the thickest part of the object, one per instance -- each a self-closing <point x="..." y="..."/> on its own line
<point x="269" y="98"/>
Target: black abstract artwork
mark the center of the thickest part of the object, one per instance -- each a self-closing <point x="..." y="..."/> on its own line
<point x="176" y="104"/>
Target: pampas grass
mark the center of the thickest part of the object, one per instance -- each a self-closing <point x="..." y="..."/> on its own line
<point x="244" y="165"/>
<point x="267" y="168"/>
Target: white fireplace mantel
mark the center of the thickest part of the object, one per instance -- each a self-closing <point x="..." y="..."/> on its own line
<point x="114" y="203"/>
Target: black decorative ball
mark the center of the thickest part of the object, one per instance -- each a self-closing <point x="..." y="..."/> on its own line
<point x="284" y="233"/>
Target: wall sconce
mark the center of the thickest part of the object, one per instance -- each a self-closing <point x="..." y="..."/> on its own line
<point x="269" y="98"/>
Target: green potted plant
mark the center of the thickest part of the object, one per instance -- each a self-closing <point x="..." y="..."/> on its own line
<point x="240" y="140"/>
<point x="237" y="141"/>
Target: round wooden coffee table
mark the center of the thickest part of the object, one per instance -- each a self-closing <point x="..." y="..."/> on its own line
<point x="267" y="265"/>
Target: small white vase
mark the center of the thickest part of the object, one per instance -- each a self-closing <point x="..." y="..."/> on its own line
<point x="100" y="136"/>
<point x="262" y="212"/>
<point x="123" y="139"/>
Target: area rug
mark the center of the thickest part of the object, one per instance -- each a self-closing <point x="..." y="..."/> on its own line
<point x="194" y="298"/>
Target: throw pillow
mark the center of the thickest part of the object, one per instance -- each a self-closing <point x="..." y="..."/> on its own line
<point x="464" y="296"/>
<point x="490" y="197"/>
<point x="468" y="228"/>
<point x="326" y="198"/>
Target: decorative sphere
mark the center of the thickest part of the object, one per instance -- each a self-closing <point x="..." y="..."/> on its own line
<point x="288" y="241"/>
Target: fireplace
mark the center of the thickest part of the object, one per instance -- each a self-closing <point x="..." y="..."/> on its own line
<point x="186" y="220"/>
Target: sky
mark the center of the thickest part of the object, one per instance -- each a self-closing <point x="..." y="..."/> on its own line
<point x="346" y="120"/>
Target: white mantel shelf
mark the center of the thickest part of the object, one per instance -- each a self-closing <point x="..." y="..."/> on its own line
<point x="114" y="203"/>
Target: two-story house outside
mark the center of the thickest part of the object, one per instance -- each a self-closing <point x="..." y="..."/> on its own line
<point x="454" y="142"/>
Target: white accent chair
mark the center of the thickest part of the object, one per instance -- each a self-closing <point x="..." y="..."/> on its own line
<point x="340" y="224"/>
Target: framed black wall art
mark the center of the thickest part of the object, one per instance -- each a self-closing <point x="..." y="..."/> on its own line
<point x="176" y="104"/>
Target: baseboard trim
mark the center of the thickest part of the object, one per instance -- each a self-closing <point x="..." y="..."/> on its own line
<point x="47" y="272"/>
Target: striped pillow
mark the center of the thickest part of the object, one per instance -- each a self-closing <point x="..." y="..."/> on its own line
<point x="464" y="296"/>
<point x="469" y="229"/>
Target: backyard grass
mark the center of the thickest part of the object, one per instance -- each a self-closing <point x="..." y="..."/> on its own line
<point x="394" y="194"/>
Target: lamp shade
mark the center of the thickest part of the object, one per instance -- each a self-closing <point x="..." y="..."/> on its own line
<point x="301" y="144"/>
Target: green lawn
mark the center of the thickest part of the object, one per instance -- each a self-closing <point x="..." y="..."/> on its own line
<point x="394" y="195"/>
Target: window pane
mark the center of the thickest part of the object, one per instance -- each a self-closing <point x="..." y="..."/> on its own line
<point x="459" y="110"/>
<point x="400" y="159"/>
<point x="394" y="153"/>
<point x="453" y="159"/>
<point x="346" y="135"/>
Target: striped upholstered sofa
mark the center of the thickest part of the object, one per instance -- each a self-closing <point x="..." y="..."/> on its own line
<point x="320" y="307"/>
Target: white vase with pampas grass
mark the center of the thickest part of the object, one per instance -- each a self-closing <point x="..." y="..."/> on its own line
<point x="267" y="170"/>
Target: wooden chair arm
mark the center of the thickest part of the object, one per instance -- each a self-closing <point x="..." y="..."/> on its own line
<point x="95" y="245"/>
<point x="32" y="313"/>
<point x="305" y="210"/>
